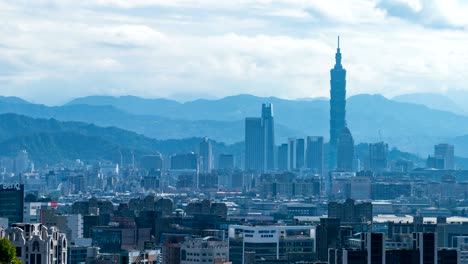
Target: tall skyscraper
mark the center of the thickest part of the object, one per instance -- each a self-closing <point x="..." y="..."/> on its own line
<point x="254" y="149"/>
<point x="345" y="151"/>
<point x="260" y="141"/>
<point x="283" y="157"/>
<point x="300" y="153"/>
<point x="268" y="136"/>
<point x="425" y="245"/>
<point x="328" y="236"/>
<point x="445" y="151"/>
<point x="314" y="154"/>
<point x="292" y="154"/>
<point x="378" y="156"/>
<point x="337" y="106"/>
<point x="206" y="155"/>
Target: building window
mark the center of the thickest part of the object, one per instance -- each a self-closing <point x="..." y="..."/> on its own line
<point x="35" y="246"/>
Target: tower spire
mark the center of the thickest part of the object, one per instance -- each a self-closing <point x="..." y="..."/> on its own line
<point x="338" y="55"/>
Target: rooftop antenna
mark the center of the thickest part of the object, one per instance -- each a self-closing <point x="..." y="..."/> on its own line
<point x="338" y="41"/>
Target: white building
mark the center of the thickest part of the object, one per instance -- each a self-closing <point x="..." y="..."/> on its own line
<point x="461" y="244"/>
<point x="3" y="223"/>
<point x="292" y="243"/>
<point x="203" y="250"/>
<point x="32" y="212"/>
<point x="75" y="226"/>
<point x="71" y="225"/>
<point x="37" y="244"/>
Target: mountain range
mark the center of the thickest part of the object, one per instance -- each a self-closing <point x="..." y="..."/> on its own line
<point x="409" y="126"/>
<point x="49" y="141"/>
<point x="431" y="100"/>
<point x="412" y="127"/>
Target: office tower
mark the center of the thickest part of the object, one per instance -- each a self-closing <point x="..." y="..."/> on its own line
<point x="151" y="162"/>
<point x="225" y="162"/>
<point x="152" y="180"/>
<point x="350" y="212"/>
<point x="292" y="154"/>
<point x="435" y="162"/>
<point x="268" y="137"/>
<point x="71" y="225"/>
<point x="254" y="148"/>
<point x="445" y="151"/>
<point x="36" y="244"/>
<point x="115" y="238"/>
<point x="337" y="106"/>
<point x="328" y="236"/>
<point x="375" y="246"/>
<point x="12" y="202"/>
<point x="378" y="156"/>
<point x="187" y="161"/>
<point x="203" y="250"/>
<point x="207" y="207"/>
<point x="206" y="155"/>
<point x="271" y="243"/>
<point x="314" y="154"/>
<point x="389" y="191"/>
<point x="360" y="188"/>
<point x="345" y="151"/>
<point x="283" y="157"/>
<point x="426" y="246"/>
<point x="300" y="153"/>
<point x="260" y="141"/>
<point x="448" y="256"/>
<point x="362" y="248"/>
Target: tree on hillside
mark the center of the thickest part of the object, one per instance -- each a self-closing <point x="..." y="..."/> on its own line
<point x="8" y="252"/>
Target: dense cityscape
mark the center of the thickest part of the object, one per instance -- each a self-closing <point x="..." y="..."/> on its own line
<point x="311" y="199"/>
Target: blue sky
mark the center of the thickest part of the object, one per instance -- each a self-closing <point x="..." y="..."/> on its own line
<point x="52" y="51"/>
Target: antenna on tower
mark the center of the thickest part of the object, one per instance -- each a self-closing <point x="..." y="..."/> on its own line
<point x="338" y="41"/>
<point x="380" y="135"/>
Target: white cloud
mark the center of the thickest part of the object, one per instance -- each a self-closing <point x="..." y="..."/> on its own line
<point x="272" y="48"/>
<point x="138" y="35"/>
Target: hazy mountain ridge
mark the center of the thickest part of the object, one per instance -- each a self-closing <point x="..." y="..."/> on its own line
<point x="52" y="141"/>
<point x="431" y="100"/>
<point x="49" y="141"/>
<point x="408" y="126"/>
<point x="149" y="125"/>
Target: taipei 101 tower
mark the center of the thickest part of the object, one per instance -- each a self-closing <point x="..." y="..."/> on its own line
<point x="337" y="107"/>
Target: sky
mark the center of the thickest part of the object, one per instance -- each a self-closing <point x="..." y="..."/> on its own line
<point x="52" y="51"/>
